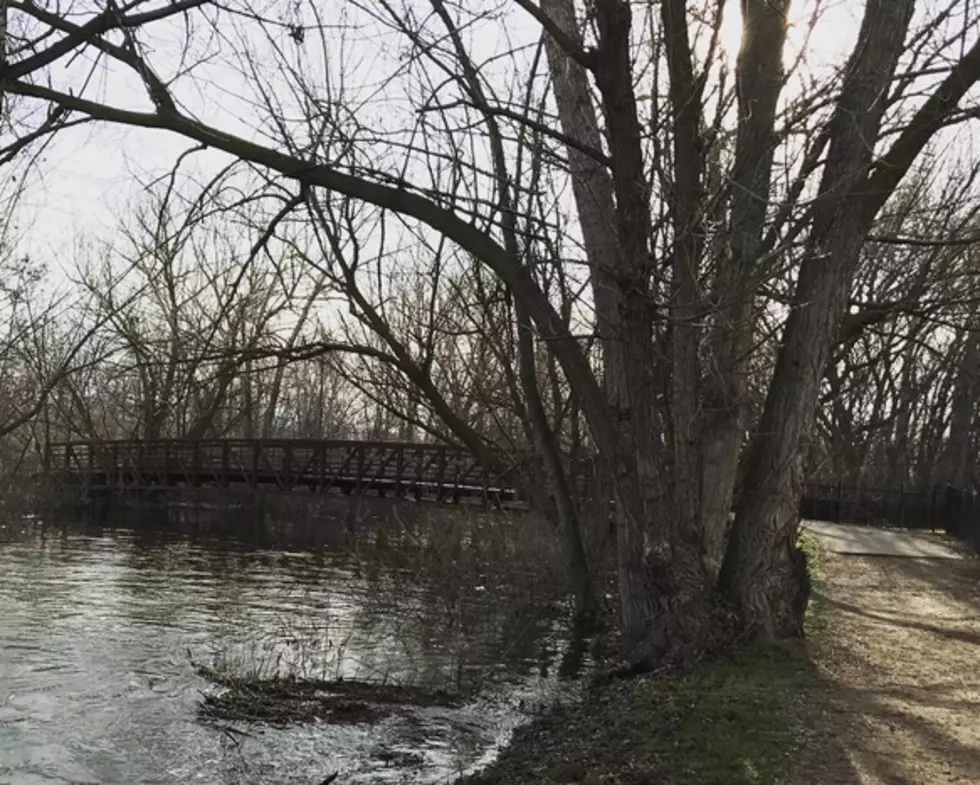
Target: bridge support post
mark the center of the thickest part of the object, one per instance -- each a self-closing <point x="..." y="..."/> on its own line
<point x="195" y="461"/>
<point x="441" y="474"/>
<point x="225" y="461"/>
<point x="287" y="467"/>
<point x="321" y="468"/>
<point x="360" y="469"/>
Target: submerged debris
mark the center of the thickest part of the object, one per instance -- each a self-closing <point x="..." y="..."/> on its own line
<point x="284" y="701"/>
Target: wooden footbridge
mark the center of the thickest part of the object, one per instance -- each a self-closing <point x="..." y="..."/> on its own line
<point x="425" y="472"/>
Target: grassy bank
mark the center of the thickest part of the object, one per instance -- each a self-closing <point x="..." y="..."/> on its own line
<point x="735" y="721"/>
<point x="739" y="720"/>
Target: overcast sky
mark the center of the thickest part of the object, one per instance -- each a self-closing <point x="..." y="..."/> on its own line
<point x="89" y="177"/>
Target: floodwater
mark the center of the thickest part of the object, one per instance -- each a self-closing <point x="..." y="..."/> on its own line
<point x="99" y="628"/>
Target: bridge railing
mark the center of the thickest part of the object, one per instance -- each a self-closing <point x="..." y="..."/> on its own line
<point x="434" y="471"/>
<point x="317" y="464"/>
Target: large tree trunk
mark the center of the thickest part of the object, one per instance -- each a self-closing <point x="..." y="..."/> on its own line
<point x="614" y="217"/>
<point x="665" y="592"/>
<point x="592" y="185"/>
<point x="765" y="572"/>
<point x="759" y="82"/>
<point x="686" y="307"/>
<point x="592" y="189"/>
<point x="664" y="574"/>
<point x="643" y="543"/>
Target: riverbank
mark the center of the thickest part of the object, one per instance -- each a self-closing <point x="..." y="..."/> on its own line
<point x="741" y="718"/>
<point x="737" y="720"/>
<point x="883" y="690"/>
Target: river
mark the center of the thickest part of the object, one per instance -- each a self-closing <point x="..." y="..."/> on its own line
<point x="99" y="627"/>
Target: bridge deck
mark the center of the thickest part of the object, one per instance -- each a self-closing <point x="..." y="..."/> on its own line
<point x="423" y="471"/>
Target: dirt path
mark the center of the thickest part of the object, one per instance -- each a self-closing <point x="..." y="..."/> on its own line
<point x="899" y="656"/>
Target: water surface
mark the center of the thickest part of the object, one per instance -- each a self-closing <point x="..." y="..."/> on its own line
<point x="98" y="630"/>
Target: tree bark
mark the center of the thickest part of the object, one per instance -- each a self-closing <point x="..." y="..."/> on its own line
<point x="759" y="83"/>
<point x="667" y="600"/>
<point x="765" y="572"/>
<point x="592" y="189"/>
<point x="686" y="310"/>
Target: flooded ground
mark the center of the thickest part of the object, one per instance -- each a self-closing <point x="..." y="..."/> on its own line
<point x="99" y="628"/>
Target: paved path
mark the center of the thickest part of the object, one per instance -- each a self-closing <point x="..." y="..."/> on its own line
<point x="857" y="540"/>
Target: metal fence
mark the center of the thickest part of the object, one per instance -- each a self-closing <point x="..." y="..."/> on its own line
<point x="949" y="509"/>
<point x="962" y="515"/>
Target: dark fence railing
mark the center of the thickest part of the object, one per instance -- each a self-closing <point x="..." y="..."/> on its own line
<point x="939" y="508"/>
<point x="889" y="506"/>
<point x="963" y="516"/>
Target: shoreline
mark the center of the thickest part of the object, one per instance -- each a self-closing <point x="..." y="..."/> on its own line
<point x="738" y="719"/>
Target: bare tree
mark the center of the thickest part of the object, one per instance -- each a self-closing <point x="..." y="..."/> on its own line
<point x="720" y="231"/>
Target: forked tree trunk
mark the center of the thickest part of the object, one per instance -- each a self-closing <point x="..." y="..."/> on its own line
<point x="665" y="590"/>
<point x="593" y="189"/>
<point x="765" y="572"/>
<point x="667" y="557"/>
<point x="759" y="83"/>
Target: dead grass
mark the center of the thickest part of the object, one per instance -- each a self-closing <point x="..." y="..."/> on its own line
<point x="902" y="668"/>
<point x="285" y="701"/>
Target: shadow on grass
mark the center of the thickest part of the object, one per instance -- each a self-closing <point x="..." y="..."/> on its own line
<point x="749" y="718"/>
<point x="759" y="715"/>
<point x="970" y="637"/>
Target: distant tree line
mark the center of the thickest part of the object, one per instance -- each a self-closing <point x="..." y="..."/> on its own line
<point x="574" y="229"/>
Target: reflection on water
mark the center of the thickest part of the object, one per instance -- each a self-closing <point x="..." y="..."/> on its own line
<point x="97" y="629"/>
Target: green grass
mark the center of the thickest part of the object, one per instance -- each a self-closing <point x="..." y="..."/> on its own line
<point x="736" y="721"/>
<point x="726" y="722"/>
<point x="816" y="612"/>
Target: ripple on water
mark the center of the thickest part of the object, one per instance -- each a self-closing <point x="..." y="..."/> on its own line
<point x="96" y="685"/>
